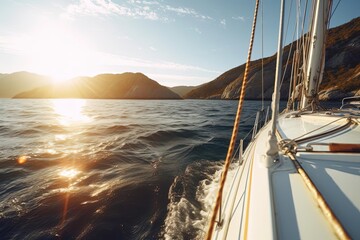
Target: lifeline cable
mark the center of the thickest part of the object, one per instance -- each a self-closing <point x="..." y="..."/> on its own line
<point x="234" y="132"/>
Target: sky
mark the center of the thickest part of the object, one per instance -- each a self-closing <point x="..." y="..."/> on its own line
<point x="175" y="42"/>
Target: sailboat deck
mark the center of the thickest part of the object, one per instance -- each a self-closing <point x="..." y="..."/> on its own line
<point x="335" y="174"/>
<point x="293" y="127"/>
<point x="275" y="202"/>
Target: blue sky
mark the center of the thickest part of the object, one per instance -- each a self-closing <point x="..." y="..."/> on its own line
<point x="185" y="42"/>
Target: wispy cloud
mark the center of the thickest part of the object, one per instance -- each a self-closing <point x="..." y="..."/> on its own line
<point x="185" y="11"/>
<point x="97" y="61"/>
<point x="239" y="18"/>
<point x="107" y="7"/>
<point x="151" y="2"/>
<point x="172" y="80"/>
<point x="197" y="30"/>
<point x="143" y="9"/>
<point x="10" y="44"/>
<point x="127" y="38"/>
<point x="223" y="22"/>
<point x="112" y="59"/>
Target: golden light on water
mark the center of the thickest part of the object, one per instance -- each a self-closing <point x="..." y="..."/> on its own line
<point x="70" y="111"/>
<point x="22" y="159"/>
<point x="69" y="173"/>
<point x="60" y="137"/>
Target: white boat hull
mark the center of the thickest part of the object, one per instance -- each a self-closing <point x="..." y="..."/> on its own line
<point x="276" y="203"/>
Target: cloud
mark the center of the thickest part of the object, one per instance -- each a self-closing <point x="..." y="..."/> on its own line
<point x="11" y="44"/>
<point x="165" y="72"/>
<point x="151" y="2"/>
<point x="140" y="9"/>
<point x="107" y="7"/>
<point x="94" y="62"/>
<point x="127" y="38"/>
<point x="113" y="60"/>
<point x="172" y="80"/>
<point x="197" y="30"/>
<point x="223" y="22"/>
<point x="239" y="18"/>
<point x="185" y="11"/>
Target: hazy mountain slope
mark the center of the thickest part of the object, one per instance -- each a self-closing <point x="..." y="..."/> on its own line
<point x="105" y="86"/>
<point x="182" y="90"/>
<point x="14" y="83"/>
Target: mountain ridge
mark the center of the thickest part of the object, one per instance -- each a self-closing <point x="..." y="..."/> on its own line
<point x="343" y="49"/>
<point x="104" y="86"/>
<point x="13" y="83"/>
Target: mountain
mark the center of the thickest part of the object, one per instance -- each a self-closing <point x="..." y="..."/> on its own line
<point x="182" y="90"/>
<point x="11" y="84"/>
<point x="104" y="86"/>
<point x="341" y="76"/>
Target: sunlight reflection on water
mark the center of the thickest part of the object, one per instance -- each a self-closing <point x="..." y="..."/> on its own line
<point x="69" y="173"/>
<point x="70" y="111"/>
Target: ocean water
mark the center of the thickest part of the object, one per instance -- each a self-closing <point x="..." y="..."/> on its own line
<point x="112" y="169"/>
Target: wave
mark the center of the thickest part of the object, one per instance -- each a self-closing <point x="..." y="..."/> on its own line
<point x="144" y="169"/>
<point x="189" y="201"/>
<point x="117" y="128"/>
<point x="25" y="132"/>
<point x="191" y="198"/>
<point x="4" y="129"/>
<point x="169" y="135"/>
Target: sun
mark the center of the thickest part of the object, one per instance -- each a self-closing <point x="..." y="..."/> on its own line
<point x="57" y="51"/>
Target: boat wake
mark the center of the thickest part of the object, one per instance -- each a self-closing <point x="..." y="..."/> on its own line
<point x="191" y="198"/>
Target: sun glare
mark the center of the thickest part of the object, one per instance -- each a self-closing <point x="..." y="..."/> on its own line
<point x="23" y="159"/>
<point x="57" y="51"/>
<point x="69" y="173"/>
<point x="70" y="111"/>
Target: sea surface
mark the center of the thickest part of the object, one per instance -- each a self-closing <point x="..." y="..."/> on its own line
<point x="112" y="169"/>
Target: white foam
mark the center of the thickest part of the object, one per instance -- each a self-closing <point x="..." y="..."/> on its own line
<point x="188" y="218"/>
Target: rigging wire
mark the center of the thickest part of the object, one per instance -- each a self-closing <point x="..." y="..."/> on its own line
<point x="289" y="54"/>
<point x="334" y="9"/>
<point x="297" y="74"/>
<point x="288" y="59"/>
<point x="234" y="132"/>
<point x="262" y="55"/>
<point x="303" y="47"/>
<point x="288" y="23"/>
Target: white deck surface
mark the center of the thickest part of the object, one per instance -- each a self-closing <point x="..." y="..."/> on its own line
<point x="275" y="203"/>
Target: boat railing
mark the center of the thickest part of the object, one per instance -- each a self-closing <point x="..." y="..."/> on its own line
<point x="350" y="102"/>
<point x="261" y="118"/>
<point x="331" y="147"/>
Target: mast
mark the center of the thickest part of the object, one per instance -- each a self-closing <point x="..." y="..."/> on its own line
<point x="316" y="54"/>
